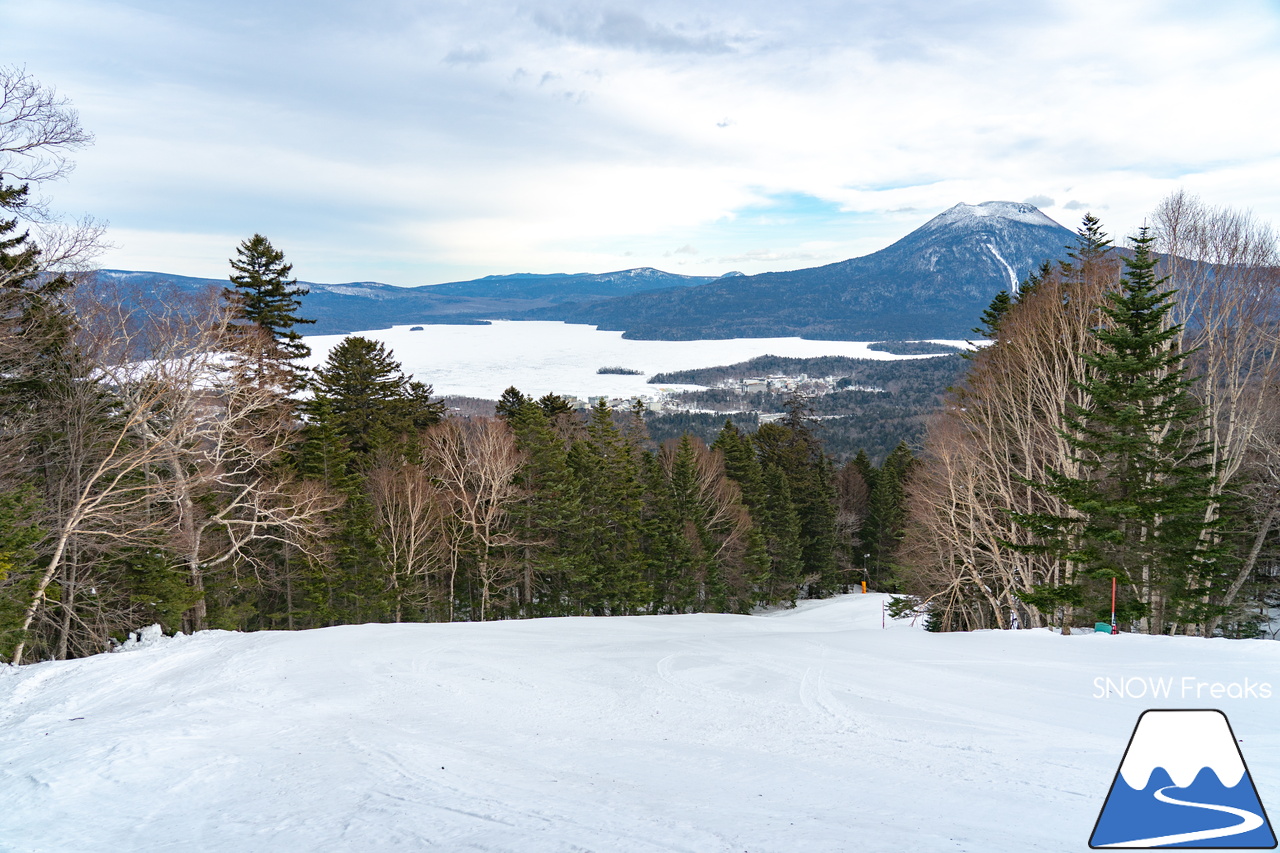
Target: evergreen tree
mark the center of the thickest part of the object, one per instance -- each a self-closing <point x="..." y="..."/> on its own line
<point x="610" y="577"/>
<point x="792" y="447"/>
<point x="780" y="524"/>
<point x="511" y="403"/>
<point x="372" y="402"/>
<point x="868" y="471"/>
<point x="19" y="535"/>
<point x="553" y="405"/>
<point x="350" y="585"/>
<point x="706" y="586"/>
<point x="1143" y="500"/>
<point x="994" y="313"/>
<point x="668" y="557"/>
<point x="886" y="513"/>
<point x="742" y="466"/>
<point x="1092" y="243"/>
<point x="35" y="325"/>
<point x="546" y="520"/>
<point x="268" y="301"/>
<point x="852" y="500"/>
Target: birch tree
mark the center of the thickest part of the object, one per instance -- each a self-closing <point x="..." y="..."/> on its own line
<point x="475" y="463"/>
<point x="1225" y="266"/>
<point x="996" y="435"/>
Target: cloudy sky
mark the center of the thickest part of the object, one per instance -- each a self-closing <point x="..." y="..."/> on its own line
<point x="415" y="142"/>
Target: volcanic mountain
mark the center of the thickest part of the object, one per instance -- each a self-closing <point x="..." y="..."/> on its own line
<point x="933" y="283"/>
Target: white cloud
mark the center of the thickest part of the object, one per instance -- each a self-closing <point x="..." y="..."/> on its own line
<point x="452" y="139"/>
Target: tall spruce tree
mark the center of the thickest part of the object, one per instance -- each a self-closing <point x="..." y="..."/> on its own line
<point x="546" y="519"/>
<point x="669" y="559"/>
<point x="792" y="446"/>
<point x="742" y="466"/>
<point x="609" y="563"/>
<point x="885" y="523"/>
<point x="511" y="403"/>
<point x="268" y="301"/>
<point x="349" y="585"/>
<point x="1143" y="499"/>
<point x="372" y="402"/>
<point x="995" y="312"/>
<point x="35" y="325"/>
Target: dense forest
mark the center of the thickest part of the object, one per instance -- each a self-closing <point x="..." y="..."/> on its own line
<point x="848" y="420"/>
<point x="170" y="462"/>
<point x="1113" y="454"/>
<point x="1116" y="441"/>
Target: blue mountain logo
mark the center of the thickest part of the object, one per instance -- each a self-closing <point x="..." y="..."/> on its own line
<point x="1183" y="783"/>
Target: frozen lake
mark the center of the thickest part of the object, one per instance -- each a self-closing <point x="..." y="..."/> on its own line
<point x="542" y="357"/>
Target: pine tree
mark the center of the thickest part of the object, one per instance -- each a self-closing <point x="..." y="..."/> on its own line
<point x="742" y="466"/>
<point x="792" y="447"/>
<point x="781" y="527"/>
<point x="373" y="403"/>
<point x="348" y="586"/>
<point x="609" y="562"/>
<point x="865" y="467"/>
<point x="1144" y="497"/>
<point x="35" y="325"/>
<point x="553" y="405"/>
<point x="268" y="301"/>
<point x="886" y="513"/>
<point x="994" y="313"/>
<point x="545" y="521"/>
<point x="19" y="535"/>
<point x="511" y="403"/>
<point x="1092" y="243"/>
<point x="668" y="557"/>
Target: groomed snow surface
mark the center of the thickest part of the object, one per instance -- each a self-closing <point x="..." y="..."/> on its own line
<point x="811" y="729"/>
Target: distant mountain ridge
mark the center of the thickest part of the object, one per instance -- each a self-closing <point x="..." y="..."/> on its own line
<point x="933" y="283"/>
<point x="364" y="305"/>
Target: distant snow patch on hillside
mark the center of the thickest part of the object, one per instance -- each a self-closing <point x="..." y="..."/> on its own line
<point x="1013" y="277"/>
<point x="348" y="290"/>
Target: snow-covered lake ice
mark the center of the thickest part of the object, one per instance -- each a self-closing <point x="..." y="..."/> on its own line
<point x="811" y="730"/>
<point x="542" y="357"/>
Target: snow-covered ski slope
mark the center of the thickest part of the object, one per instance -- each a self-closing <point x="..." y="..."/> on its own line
<point x="812" y="729"/>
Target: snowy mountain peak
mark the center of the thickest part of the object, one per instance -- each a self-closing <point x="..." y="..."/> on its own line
<point x="1183" y="743"/>
<point x="972" y="214"/>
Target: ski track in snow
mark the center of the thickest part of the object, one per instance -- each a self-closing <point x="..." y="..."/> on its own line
<point x="809" y="729"/>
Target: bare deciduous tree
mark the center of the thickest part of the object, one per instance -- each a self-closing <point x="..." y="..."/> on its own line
<point x="474" y="463"/>
<point x="991" y="444"/>
<point x="1225" y="265"/>
<point x="160" y="443"/>
<point x="38" y="132"/>
<point x="408" y="506"/>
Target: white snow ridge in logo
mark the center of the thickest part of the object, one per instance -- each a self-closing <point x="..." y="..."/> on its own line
<point x="1183" y="783"/>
